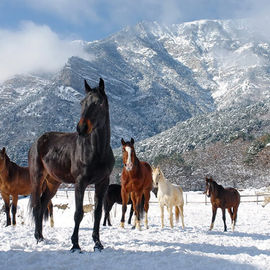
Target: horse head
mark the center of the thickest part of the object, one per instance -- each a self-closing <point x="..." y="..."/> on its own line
<point x="156" y="174"/>
<point x="94" y="109"/>
<point x="208" y="186"/>
<point x="3" y="157"/>
<point x="128" y="154"/>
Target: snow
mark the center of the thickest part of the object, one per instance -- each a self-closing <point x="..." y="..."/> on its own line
<point x="192" y="248"/>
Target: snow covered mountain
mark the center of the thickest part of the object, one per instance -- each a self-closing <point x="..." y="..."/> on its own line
<point x="155" y="76"/>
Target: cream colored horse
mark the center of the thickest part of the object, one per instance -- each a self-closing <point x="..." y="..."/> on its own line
<point x="169" y="195"/>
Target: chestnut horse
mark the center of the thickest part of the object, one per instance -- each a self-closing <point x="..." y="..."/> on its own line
<point x="224" y="198"/>
<point x="14" y="181"/>
<point x="84" y="157"/>
<point x="136" y="181"/>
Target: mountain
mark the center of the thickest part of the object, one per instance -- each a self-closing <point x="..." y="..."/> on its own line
<point x="232" y="145"/>
<point x="155" y="76"/>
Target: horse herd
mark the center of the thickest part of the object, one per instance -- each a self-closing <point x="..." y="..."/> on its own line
<point x="85" y="157"/>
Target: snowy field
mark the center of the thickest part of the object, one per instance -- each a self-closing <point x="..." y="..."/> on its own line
<point x="192" y="248"/>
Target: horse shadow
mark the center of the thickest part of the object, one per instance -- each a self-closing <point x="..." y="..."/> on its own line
<point x="112" y="258"/>
<point x="254" y="236"/>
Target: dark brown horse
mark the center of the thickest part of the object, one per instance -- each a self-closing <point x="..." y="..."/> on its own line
<point x="14" y="181"/>
<point x="224" y="198"/>
<point x="82" y="158"/>
<point x="112" y="196"/>
<point x="136" y="181"/>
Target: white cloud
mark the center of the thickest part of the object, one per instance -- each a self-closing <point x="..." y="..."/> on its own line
<point x="33" y="48"/>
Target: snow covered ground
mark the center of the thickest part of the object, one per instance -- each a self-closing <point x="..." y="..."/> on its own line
<point x="192" y="248"/>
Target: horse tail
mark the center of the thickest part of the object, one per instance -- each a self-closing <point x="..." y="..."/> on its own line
<point x="177" y="212"/>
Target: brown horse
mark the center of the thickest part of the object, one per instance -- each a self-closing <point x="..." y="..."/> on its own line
<point x="136" y="181"/>
<point x="83" y="158"/>
<point x="14" y="181"/>
<point x="224" y="198"/>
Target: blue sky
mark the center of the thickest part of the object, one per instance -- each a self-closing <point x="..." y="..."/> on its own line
<point x="35" y="35"/>
<point x="96" y="19"/>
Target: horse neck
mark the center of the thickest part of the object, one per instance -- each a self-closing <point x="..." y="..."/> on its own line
<point x="97" y="144"/>
<point x="162" y="183"/>
<point x="5" y="171"/>
<point x="215" y="189"/>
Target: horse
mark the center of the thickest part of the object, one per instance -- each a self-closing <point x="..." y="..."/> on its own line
<point x="113" y="195"/>
<point x="224" y="198"/>
<point x="136" y="180"/>
<point x="14" y="181"/>
<point x="168" y="195"/>
<point x="81" y="158"/>
<point x="266" y="200"/>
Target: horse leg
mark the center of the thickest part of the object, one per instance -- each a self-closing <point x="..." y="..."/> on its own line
<point x="146" y="195"/>
<point x="51" y="188"/>
<point x="136" y="207"/>
<point x="100" y="190"/>
<point x="107" y="210"/>
<point x="170" y="208"/>
<point x="50" y="210"/>
<point x="234" y="217"/>
<point x="162" y="215"/>
<point x="80" y="187"/>
<point x="231" y="213"/>
<point x="138" y="200"/>
<point x="181" y="209"/>
<point x="130" y="214"/>
<point x="7" y="207"/>
<point x="125" y="197"/>
<point x="214" y="212"/>
<point x="14" y="208"/>
<point x="224" y="219"/>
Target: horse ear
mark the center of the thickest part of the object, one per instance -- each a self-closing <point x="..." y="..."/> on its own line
<point x="87" y="87"/>
<point x="102" y="87"/>
<point x="3" y="150"/>
<point x="123" y="142"/>
<point x="132" y="141"/>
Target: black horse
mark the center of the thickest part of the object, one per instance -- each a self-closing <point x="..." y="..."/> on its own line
<point x="82" y="158"/>
<point x="113" y="196"/>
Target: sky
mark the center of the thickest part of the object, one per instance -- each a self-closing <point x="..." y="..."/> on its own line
<point x="37" y="34"/>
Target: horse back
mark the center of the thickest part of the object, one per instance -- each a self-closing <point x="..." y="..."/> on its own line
<point x="54" y="152"/>
<point x="16" y="180"/>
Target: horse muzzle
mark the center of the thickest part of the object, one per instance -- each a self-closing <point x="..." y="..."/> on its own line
<point x="128" y="166"/>
<point x="84" y="127"/>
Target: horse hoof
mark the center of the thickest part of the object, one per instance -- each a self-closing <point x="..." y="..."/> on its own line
<point x="75" y="250"/>
<point x="98" y="247"/>
<point x="40" y="239"/>
<point x="133" y="227"/>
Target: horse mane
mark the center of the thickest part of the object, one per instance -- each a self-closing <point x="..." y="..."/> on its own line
<point x="216" y="188"/>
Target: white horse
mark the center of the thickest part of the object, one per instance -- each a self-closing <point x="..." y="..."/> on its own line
<point x="168" y="195"/>
<point x="266" y="200"/>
